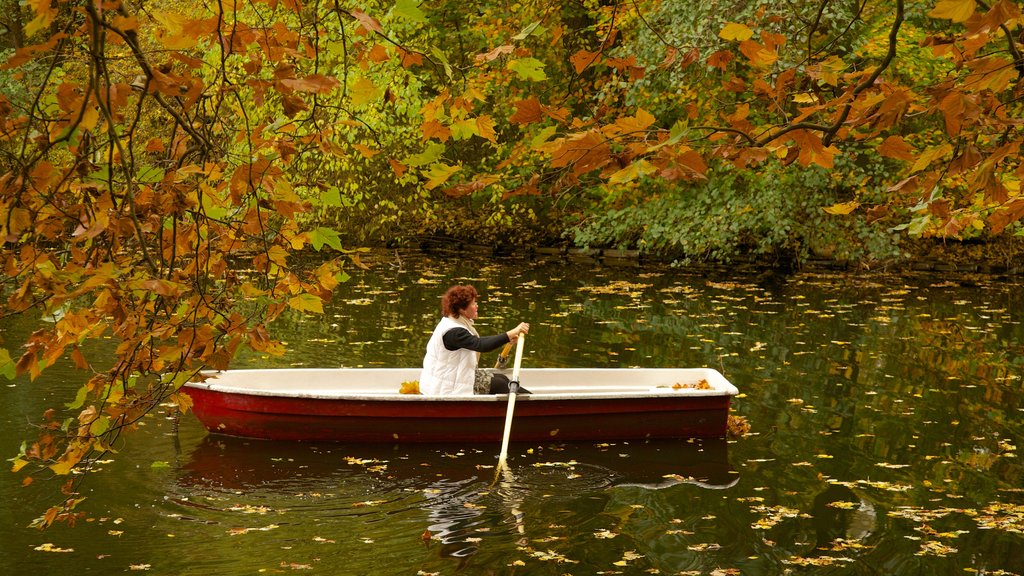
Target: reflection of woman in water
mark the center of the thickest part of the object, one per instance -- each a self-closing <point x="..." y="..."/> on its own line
<point x="456" y="514"/>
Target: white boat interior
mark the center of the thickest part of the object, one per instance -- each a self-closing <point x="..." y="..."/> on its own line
<point x="543" y="383"/>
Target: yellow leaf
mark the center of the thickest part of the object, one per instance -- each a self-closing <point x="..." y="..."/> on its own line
<point x="631" y="172"/>
<point x="734" y="31"/>
<point x="173" y="35"/>
<point x="363" y="91"/>
<point x="485" y="128"/>
<point x="439" y="174"/>
<point x="842" y="209"/>
<point x="955" y="10"/>
<point x="307" y="303"/>
<point x="805" y="98"/>
<point x="45" y="14"/>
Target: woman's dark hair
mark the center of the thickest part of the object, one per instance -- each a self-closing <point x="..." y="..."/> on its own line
<point x="456" y="299"/>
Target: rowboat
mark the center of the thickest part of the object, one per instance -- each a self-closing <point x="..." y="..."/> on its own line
<point x="366" y="405"/>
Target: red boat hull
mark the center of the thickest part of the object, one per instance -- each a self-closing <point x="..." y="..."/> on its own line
<point x="453" y="420"/>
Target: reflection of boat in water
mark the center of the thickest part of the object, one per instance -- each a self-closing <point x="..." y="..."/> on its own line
<point x="463" y="508"/>
<point x="230" y="462"/>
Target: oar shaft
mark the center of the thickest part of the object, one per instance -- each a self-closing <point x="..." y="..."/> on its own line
<point x="518" y="357"/>
<point x="513" y="385"/>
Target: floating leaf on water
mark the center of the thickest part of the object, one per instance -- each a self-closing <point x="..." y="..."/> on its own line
<point x="49" y="547"/>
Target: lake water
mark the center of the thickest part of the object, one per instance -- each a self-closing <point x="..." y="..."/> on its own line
<point x="886" y="420"/>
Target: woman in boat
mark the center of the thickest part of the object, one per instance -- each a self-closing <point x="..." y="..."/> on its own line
<point x="453" y="351"/>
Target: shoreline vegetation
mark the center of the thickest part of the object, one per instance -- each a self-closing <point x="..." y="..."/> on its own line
<point x="1000" y="256"/>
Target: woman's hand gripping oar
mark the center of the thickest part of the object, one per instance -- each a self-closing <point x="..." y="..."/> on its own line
<point x="513" y="386"/>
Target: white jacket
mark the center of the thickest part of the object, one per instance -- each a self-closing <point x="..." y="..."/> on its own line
<point x="447" y="372"/>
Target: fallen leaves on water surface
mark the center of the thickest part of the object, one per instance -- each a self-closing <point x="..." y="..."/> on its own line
<point x="935" y="548"/>
<point x="368" y="503"/>
<point x="49" y="547"/>
<point x="773" y="515"/>
<point x="627" y="557"/>
<point x="139" y="566"/>
<point x="621" y="287"/>
<point x="240" y="531"/>
<point x="295" y="566"/>
<point x="704" y="547"/>
<point x="604" y="533"/>
<point x="816" y="561"/>
<point x="552" y="556"/>
<point x="371" y="465"/>
<point x="249" y="509"/>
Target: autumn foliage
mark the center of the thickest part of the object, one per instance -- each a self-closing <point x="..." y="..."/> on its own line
<point x="161" y="169"/>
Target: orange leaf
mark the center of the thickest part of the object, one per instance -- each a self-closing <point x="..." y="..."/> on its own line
<point x="528" y="111"/>
<point x="1006" y="214"/>
<point x="434" y="129"/>
<point x="485" y="128"/>
<point x="397" y="167"/>
<point x="495" y="54"/>
<point x="720" y="59"/>
<point x="812" y="150"/>
<point x="757" y="54"/>
<point x="316" y="83"/>
<point x="367" y="22"/>
<point x="366" y="150"/>
<point x="582" y="59"/>
<point x="955" y="107"/>
<point x="79" y="359"/>
<point x="896" y="147"/>
<point x="379" y="53"/>
<point x="409" y="59"/>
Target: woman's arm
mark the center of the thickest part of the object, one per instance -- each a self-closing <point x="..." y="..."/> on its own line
<point x="461" y="338"/>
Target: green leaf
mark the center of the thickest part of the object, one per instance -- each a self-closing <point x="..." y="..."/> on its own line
<point x="150" y="175"/>
<point x="332" y="197"/>
<point x="99" y="425"/>
<point x="528" y="69"/>
<point x="441" y="57"/>
<point x="159" y="465"/>
<point x="327" y="236"/>
<point x="79" y="399"/>
<point x="464" y="129"/>
<point x="6" y="364"/>
<point x="439" y="174"/>
<point x="428" y="156"/>
<point x="543" y="136"/>
<point x="525" y="32"/>
<point x="409" y="10"/>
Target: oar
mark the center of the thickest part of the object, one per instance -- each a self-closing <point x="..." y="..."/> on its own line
<point x="503" y="357"/>
<point x="512" y="387"/>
